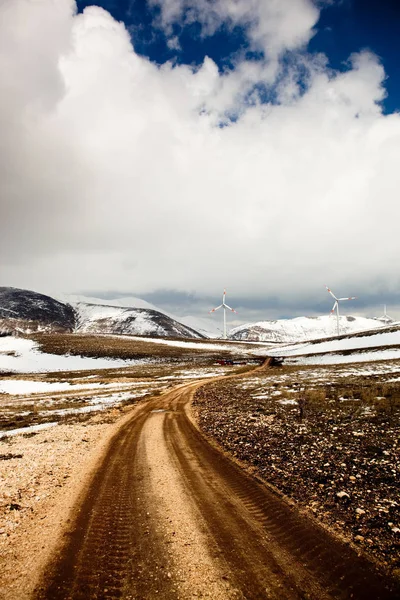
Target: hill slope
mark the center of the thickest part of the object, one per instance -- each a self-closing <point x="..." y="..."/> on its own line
<point x="300" y="329"/>
<point x="208" y="327"/>
<point x="26" y="310"/>
<point x="365" y="346"/>
<point x="125" y="302"/>
<point x="95" y="318"/>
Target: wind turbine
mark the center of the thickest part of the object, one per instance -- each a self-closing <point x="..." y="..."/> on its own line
<point x="385" y="317"/>
<point x="336" y="305"/>
<point x="224" y="306"/>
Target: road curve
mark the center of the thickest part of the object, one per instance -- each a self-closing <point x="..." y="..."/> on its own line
<point x="169" y="516"/>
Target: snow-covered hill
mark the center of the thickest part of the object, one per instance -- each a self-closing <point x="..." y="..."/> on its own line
<point x="25" y="310"/>
<point x="301" y="329"/>
<point x="126" y="302"/>
<point x="367" y="346"/>
<point x="206" y="326"/>
<point x="96" y="318"/>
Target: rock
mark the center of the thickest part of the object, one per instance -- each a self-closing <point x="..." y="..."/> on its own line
<point x="395" y="529"/>
<point x="340" y="448"/>
<point x="359" y="538"/>
<point x="343" y="495"/>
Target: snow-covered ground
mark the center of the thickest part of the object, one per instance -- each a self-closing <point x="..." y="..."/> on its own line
<point x="23" y="386"/>
<point x="391" y="338"/>
<point x="340" y="359"/>
<point x="20" y="355"/>
<point x="301" y="328"/>
<point x="356" y="349"/>
<point x="26" y="386"/>
<point x="35" y="399"/>
<point x="25" y="430"/>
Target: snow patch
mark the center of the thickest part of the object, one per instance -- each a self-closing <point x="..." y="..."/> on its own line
<point x="31" y="429"/>
<point x="19" y="355"/>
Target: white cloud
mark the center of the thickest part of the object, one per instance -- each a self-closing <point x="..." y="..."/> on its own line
<point x="273" y="25"/>
<point x="116" y="175"/>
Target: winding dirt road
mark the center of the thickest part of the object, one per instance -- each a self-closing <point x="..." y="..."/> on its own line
<point x="169" y="516"/>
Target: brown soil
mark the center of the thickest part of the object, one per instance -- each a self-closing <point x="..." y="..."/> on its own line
<point x="40" y="481"/>
<point x="324" y="437"/>
<point x="127" y="348"/>
<point x="167" y="515"/>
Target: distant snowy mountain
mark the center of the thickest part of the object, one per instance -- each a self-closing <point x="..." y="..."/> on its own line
<point x="207" y="327"/>
<point x="366" y="346"/>
<point x="27" y="311"/>
<point x="96" y="318"/>
<point x="127" y="302"/>
<point x="300" y="329"/>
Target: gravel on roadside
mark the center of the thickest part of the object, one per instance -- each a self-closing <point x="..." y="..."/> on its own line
<point x="338" y="463"/>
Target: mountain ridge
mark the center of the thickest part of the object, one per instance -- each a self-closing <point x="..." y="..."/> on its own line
<point x="301" y="329"/>
<point x="29" y="310"/>
<point x="26" y="311"/>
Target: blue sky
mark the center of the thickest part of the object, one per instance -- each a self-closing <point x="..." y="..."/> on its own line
<point x="344" y="27"/>
<point x="353" y="25"/>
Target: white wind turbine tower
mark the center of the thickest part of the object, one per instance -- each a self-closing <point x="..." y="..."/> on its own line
<point x="385" y="317"/>
<point x="336" y="306"/>
<point x="225" y="307"/>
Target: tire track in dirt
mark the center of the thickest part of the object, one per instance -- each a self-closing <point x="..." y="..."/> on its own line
<point x="109" y="552"/>
<point x="258" y="531"/>
<point x="169" y="516"/>
<point x="193" y="567"/>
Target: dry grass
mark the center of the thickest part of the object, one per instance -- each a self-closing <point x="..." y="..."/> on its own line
<point x="103" y="346"/>
<point x="109" y="346"/>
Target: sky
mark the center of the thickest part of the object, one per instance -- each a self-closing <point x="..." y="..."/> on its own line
<point x="168" y="149"/>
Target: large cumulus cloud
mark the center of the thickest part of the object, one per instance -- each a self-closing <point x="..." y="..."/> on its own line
<point x="272" y="26"/>
<point x="118" y="174"/>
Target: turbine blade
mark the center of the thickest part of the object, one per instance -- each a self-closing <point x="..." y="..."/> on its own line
<point x="331" y="293"/>
<point x="334" y="306"/>
<point x="230" y="308"/>
<point x="214" y="309"/>
<point x="352" y="298"/>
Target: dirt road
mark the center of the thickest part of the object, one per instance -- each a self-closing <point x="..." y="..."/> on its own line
<point x="169" y="516"/>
